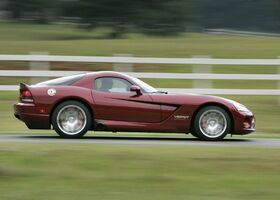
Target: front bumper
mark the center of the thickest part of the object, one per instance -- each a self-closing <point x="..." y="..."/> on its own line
<point x="28" y="113"/>
<point x="244" y="123"/>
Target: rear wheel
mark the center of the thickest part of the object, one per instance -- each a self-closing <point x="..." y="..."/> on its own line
<point x="193" y="133"/>
<point x="71" y="119"/>
<point x="212" y="123"/>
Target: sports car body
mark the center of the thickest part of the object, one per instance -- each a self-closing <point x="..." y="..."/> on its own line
<point x="112" y="101"/>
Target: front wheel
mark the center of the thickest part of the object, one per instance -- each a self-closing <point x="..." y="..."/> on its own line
<point x="71" y="119"/>
<point x="212" y="123"/>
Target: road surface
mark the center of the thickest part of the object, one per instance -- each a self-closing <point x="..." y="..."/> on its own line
<point x="121" y="140"/>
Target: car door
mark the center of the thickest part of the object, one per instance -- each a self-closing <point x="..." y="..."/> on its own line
<point x="114" y="101"/>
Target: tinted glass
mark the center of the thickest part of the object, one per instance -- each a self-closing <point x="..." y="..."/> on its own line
<point x="109" y="84"/>
<point x="68" y="80"/>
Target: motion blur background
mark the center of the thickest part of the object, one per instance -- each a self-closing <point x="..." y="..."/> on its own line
<point x="158" y="28"/>
<point x="142" y="28"/>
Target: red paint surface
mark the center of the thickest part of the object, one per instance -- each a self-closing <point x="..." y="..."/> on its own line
<point x="125" y="111"/>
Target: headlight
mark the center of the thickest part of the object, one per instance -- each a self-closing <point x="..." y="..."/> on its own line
<point x="240" y="107"/>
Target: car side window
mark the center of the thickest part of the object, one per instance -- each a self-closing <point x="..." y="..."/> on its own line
<point x="110" y="84"/>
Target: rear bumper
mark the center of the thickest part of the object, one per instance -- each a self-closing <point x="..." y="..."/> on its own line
<point x="29" y="114"/>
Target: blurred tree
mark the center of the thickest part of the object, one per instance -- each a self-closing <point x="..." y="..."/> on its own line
<point x="38" y="10"/>
<point x="276" y="9"/>
<point x="148" y="16"/>
<point x="239" y="14"/>
<point x="161" y="17"/>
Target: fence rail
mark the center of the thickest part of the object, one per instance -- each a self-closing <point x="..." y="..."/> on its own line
<point x="134" y="60"/>
<point x="191" y="76"/>
<point x="139" y="60"/>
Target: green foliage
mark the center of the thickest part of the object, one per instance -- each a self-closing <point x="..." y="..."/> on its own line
<point x="37" y="10"/>
<point x="163" y="17"/>
<point x="259" y="15"/>
<point x="156" y="17"/>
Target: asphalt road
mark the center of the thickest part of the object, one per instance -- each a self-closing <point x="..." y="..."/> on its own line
<point x="120" y="140"/>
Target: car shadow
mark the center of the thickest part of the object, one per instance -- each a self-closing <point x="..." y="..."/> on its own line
<point x="128" y="138"/>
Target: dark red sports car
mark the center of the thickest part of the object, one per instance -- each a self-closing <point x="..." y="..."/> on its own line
<point x="111" y="101"/>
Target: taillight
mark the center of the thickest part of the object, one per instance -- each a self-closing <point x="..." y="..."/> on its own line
<point x="26" y="96"/>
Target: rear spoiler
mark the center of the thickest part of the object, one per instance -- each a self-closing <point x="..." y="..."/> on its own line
<point x="25" y="94"/>
<point x="23" y="86"/>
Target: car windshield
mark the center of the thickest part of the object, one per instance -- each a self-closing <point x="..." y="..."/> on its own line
<point x="144" y="85"/>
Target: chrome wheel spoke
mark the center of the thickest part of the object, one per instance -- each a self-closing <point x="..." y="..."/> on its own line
<point x="212" y="123"/>
<point x="71" y="119"/>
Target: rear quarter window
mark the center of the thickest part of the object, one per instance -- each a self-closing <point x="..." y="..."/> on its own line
<point x="68" y="80"/>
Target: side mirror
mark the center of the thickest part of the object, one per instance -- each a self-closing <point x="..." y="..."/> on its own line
<point x="135" y="88"/>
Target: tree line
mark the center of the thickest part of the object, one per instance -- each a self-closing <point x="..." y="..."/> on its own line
<point x="163" y="17"/>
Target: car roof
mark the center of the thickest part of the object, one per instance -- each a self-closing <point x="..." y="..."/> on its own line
<point x="108" y="74"/>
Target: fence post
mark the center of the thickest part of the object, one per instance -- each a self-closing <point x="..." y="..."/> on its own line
<point x="36" y="65"/>
<point x="202" y="69"/>
<point x="123" y="67"/>
<point x="278" y="83"/>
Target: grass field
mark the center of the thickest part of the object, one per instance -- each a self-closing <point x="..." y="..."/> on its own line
<point x="67" y="171"/>
<point x="66" y="40"/>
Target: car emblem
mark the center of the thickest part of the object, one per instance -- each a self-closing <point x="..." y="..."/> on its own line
<point x="51" y="92"/>
<point x="181" y="117"/>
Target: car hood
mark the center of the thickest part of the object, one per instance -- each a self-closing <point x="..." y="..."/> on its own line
<point x="189" y="99"/>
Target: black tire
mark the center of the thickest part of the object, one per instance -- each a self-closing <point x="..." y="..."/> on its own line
<point x="204" y="128"/>
<point x="75" y="113"/>
<point x="193" y="133"/>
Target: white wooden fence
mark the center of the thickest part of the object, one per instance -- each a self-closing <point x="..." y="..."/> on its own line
<point x="134" y="60"/>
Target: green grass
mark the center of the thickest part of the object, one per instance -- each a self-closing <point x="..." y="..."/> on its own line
<point x="91" y="171"/>
<point x="67" y="40"/>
